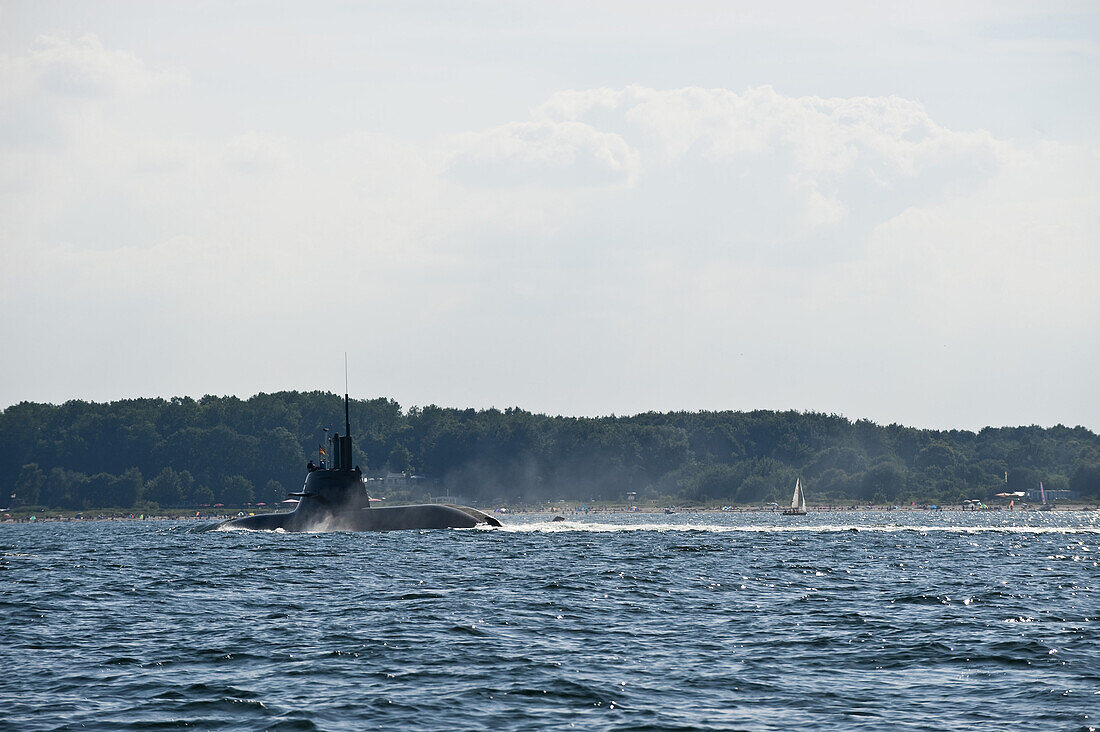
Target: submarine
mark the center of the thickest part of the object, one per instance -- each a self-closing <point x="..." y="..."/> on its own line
<point x="335" y="499"/>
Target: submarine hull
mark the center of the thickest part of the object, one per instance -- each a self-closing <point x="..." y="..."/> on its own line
<point x="394" y="518"/>
<point x="335" y="500"/>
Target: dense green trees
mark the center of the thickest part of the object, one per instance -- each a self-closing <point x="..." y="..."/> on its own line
<point x="187" y="452"/>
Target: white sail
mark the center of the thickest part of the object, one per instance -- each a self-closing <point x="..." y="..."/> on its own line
<point x="797" y="493"/>
<point x="801" y="494"/>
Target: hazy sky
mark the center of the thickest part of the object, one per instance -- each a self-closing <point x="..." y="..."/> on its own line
<point x="883" y="210"/>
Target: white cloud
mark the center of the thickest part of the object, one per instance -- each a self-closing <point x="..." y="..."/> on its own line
<point x="543" y="153"/>
<point x="256" y="152"/>
<point x="709" y="176"/>
<point x="823" y="146"/>
<point x="80" y="67"/>
<point x="1020" y="252"/>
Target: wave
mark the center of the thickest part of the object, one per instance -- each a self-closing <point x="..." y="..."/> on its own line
<point x="554" y="527"/>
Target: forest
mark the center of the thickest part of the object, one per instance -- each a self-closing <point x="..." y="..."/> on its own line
<point x="185" y="452"/>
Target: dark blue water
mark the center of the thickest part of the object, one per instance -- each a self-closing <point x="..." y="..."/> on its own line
<point x="946" y="621"/>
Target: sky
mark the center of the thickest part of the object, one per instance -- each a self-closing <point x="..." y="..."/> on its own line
<point x="884" y="210"/>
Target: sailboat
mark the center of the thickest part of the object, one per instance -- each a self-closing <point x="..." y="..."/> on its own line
<point x="1043" y="495"/>
<point x="798" y="500"/>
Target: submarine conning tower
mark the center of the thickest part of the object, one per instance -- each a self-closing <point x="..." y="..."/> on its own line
<point x="337" y="487"/>
<point x="341" y="446"/>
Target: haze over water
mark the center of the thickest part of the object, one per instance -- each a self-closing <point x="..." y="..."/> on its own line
<point x="910" y="620"/>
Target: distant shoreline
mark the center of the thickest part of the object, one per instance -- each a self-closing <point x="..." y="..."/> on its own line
<point x="55" y="517"/>
<point x="221" y="454"/>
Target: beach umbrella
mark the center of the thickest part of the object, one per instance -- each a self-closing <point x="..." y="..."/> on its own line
<point x="218" y="505"/>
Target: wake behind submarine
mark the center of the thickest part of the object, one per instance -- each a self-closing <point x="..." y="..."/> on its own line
<point x="335" y="499"/>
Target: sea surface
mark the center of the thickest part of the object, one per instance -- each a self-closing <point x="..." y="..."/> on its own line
<point x="899" y="620"/>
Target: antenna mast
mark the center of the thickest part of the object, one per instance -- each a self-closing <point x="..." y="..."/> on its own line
<point x="347" y="420"/>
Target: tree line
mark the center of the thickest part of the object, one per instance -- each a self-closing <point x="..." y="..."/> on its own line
<point x="185" y="452"/>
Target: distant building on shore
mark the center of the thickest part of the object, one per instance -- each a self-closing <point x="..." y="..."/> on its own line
<point x="1036" y="496"/>
<point x="400" y="480"/>
<point x="455" y="500"/>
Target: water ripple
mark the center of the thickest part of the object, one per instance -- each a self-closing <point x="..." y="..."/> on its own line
<point x="889" y="620"/>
